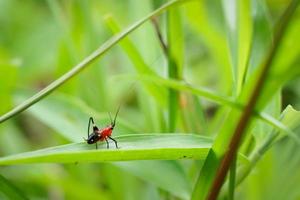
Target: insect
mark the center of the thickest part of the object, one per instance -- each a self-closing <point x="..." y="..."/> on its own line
<point x="102" y="134"/>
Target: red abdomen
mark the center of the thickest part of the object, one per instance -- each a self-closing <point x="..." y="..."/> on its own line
<point x="105" y="132"/>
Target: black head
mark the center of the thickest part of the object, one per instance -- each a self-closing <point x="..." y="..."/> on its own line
<point x="93" y="138"/>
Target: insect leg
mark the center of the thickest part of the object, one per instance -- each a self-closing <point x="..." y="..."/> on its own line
<point x="107" y="145"/>
<point x="115" y="141"/>
<point x="96" y="145"/>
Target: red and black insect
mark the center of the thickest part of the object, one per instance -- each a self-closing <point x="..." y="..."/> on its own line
<point x="102" y="134"/>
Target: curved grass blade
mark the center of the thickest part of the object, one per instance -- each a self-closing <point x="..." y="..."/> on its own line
<point x="131" y="147"/>
<point x="84" y="63"/>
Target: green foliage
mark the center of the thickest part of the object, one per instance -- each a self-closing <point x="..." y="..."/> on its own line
<point x="183" y="71"/>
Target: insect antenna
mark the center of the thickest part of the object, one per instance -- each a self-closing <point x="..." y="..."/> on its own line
<point x="114" y="122"/>
<point x="111" y="121"/>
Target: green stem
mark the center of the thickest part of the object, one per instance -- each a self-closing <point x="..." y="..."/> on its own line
<point x="232" y="176"/>
<point x="174" y="64"/>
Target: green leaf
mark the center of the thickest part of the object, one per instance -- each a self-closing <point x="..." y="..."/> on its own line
<point x="131" y="147"/>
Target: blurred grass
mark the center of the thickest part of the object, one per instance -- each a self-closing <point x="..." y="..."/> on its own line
<point x="210" y="43"/>
<point x="10" y="190"/>
<point x="81" y="65"/>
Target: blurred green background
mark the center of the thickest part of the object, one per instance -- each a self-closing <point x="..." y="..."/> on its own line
<point x="41" y="40"/>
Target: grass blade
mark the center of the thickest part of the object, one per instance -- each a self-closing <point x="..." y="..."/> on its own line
<point x="132" y="147"/>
